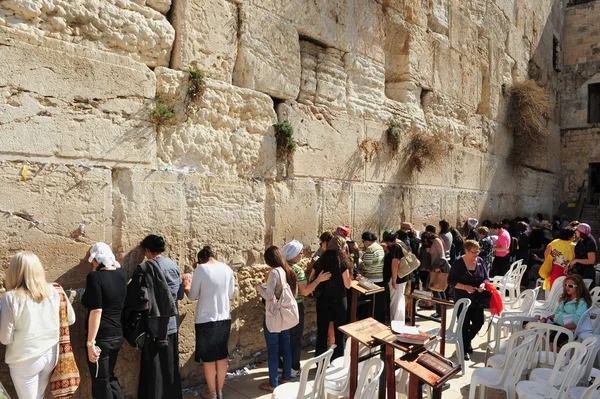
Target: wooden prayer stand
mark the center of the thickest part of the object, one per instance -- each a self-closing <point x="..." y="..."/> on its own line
<point x="414" y="364"/>
<point x="412" y="299"/>
<point x="357" y="289"/>
<point x="362" y="331"/>
<point x="389" y="339"/>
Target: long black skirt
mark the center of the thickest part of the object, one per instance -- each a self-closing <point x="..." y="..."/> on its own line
<point x="159" y="370"/>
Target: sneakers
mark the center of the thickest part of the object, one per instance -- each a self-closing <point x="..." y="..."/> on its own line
<point x="295" y="373"/>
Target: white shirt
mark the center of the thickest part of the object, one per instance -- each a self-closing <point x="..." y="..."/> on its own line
<point x="213" y="285"/>
<point x="30" y="329"/>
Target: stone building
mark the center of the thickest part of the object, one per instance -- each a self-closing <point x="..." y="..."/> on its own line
<point x="102" y="142"/>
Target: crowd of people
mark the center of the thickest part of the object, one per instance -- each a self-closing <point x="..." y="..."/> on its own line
<point x="29" y="313"/>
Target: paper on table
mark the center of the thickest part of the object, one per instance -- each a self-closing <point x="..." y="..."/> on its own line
<point x="399" y="328"/>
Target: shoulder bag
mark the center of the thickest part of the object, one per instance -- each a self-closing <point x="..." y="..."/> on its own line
<point x="65" y="377"/>
<point x="438" y="281"/>
<point x="282" y="314"/>
<point x="408" y="263"/>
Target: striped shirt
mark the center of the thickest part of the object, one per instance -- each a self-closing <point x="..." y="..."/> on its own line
<point x="372" y="266"/>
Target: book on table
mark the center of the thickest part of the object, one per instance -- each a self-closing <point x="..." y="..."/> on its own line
<point x="367" y="284"/>
<point x="427" y="294"/>
<point x="413" y="339"/>
<point x="438" y="366"/>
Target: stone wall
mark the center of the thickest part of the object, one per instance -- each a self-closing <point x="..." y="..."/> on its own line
<point x="581" y="68"/>
<point x="83" y="161"/>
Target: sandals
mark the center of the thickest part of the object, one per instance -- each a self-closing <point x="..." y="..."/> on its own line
<point x="266" y="387"/>
<point x="209" y="395"/>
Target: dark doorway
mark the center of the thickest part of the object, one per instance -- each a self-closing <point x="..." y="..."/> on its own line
<point x="594" y="184"/>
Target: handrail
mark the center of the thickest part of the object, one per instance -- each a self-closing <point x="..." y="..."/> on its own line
<point x="580" y="200"/>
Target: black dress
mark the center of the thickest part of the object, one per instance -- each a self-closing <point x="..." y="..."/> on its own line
<point x="582" y="249"/>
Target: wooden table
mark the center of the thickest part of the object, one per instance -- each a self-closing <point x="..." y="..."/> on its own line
<point x="362" y="331"/>
<point x="420" y="374"/>
<point x="389" y="339"/>
<point x="357" y="289"/>
<point x="412" y="303"/>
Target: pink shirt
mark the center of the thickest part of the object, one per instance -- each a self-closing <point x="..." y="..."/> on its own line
<point x="503" y="241"/>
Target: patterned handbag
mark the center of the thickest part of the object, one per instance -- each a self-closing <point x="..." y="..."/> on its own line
<point x="65" y="377"/>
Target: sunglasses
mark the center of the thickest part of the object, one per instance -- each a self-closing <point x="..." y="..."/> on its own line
<point x="570" y="285"/>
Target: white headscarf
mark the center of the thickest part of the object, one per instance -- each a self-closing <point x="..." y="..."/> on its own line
<point x="472" y="222"/>
<point x="103" y="254"/>
<point x="291" y="249"/>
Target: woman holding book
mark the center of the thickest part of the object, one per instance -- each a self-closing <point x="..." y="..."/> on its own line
<point x="468" y="276"/>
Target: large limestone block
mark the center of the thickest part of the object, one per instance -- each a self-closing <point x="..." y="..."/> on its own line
<point x="498" y="175"/>
<point x="269" y="55"/>
<point x="469" y="205"/>
<point x="227" y="214"/>
<point x="148" y="202"/>
<point x="366" y="215"/>
<point x="466" y="168"/>
<point x="348" y="25"/>
<point x="338" y="202"/>
<point x="119" y="26"/>
<point x="297" y="209"/>
<point x="438" y="17"/>
<point x="316" y="135"/>
<point x="425" y="206"/>
<point x="250" y="311"/>
<point x="227" y="133"/>
<point x="47" y="213"/>
<point x="366" y="86"/>
<point x="71" y="102"/>
<point x="207" y="37"/>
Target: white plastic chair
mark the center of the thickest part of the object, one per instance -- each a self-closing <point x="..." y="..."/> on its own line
<point x="593" y="314"/>
<point x="369" y="378"/>
<point x="512" y="283"/>
<point x="337" y="375"/>
<point x="591" y="392"/>
<point x="303" y="389"/>
<point x="555" y="375"/>
<point x="546" y="308"/>
<point x="595" y="294"/>
<point x="522" y="305"/>
<point x="537" y="389"/>
<point x="497" y="361"/>
<point x="506" y="378"/>
<point x="548" y="349"/>
<point x="454" y="330"/>
<point x="504" y="324"/>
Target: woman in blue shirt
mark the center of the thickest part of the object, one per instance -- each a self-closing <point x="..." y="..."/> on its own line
<point x="573" y="303"/>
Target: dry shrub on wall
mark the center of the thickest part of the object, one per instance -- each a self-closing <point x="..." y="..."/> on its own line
<point x="424" y="150"/>
<point x="529" y="106"/>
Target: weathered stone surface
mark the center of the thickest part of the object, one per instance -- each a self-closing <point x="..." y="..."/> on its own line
<point x="73" y="103"/>
<point x="316" y="134"/>
<point x="366" y="86"/>
<point x="228" y="132"/>
<point x="268" y="59"/>
<point x="162" y="6"/>
<point x="438" y="19"/>
<point x="299" y="198"/>
<point x="119" y="26"/>
<point x="207" y="37"/>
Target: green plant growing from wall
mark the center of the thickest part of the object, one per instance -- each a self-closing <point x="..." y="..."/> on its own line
<point x="161" y="112"/>
<point x="529" y="105"/>
<point x="196" y="84"/>
<point x="284" y="135"/>
<point x="393" y="136"/>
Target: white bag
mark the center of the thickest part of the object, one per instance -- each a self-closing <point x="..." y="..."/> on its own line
<point x="282" y="314"/>
<point x="408" y="263"/>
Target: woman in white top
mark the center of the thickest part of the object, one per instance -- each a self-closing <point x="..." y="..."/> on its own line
<point x="29" y="325"/>
<point x="213" y="286"/>
<point x="274" y="287"/>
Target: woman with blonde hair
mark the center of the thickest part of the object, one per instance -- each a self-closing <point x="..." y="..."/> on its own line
<point x="29" y="325"/>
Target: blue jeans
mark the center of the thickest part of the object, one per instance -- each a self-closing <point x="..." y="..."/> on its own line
<point x="439" y="295"/>
<point x="273" y="348"/>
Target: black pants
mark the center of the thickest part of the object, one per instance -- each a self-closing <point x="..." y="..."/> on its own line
<point x="474" y="320"/>
<point x="106" y="385"/>
<point x="500" y="266"/>
<point x="330" y="309"/>
<point x="295" y="339"/>
<point x="382" y="304"/>
<point x="159" y="370"/>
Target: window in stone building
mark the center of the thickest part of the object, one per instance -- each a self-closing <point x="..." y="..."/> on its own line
<point x="594" y="103"/>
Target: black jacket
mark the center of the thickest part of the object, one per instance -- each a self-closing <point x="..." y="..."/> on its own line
<point x="149" y="293"/>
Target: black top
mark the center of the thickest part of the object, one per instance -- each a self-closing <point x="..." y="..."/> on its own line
<point x="331" y="262"/>
<point x="582" y="249"/>
<point x="460" y="274"/>
<point x="394" y="252"/>
<point x="540" y="238"/>
<point x="523" y="250"/>
<point x="106" y="290"/>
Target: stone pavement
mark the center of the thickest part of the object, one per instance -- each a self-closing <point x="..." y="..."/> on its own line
<point x="246" y="386"/>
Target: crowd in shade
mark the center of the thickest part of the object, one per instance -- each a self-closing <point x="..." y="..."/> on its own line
<point x="469" y="255"/>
